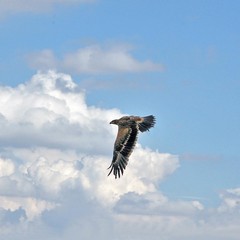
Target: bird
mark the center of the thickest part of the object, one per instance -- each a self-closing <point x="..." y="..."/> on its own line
<point x="128" y="129"/>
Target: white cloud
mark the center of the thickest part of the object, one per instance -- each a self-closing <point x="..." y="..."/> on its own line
<point x="6" y="167"/>
<point x="47" y="125"/>
<point x="53" y="175"/>
<point x="15" y="6"/>
<point x="230" y="200"/>
<point x="93" y="59"/>
<point x="32" y="206"/>
<point x="49" y="107"/>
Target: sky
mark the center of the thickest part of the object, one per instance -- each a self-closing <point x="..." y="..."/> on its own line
<point x="69" y="67"/>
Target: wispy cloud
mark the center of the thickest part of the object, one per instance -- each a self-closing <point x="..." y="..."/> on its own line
<point x="231" y="200"/>
<point x="15" y="6"/>
<point x="93" y="59"/>
<point x="200" y="157"/>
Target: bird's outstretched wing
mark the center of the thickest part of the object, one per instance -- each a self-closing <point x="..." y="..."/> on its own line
<point x="145" y="123"/>
<point x="123" y="147"/>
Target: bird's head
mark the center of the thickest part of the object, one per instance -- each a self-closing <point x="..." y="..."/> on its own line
<point x="115" y="121"/>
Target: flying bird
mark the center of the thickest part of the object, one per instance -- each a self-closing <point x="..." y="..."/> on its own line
<point x="128" y="129"/>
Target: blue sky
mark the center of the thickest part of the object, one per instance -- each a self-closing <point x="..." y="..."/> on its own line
<point x="177" y="60"/>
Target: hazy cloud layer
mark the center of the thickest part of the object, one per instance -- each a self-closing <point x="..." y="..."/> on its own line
<point x="15" y="6"/>
<point x="54" y="154"/>
<point x="93" y="59"/>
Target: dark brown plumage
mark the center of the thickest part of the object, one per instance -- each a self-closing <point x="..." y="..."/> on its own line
<point x="128" y="128"/>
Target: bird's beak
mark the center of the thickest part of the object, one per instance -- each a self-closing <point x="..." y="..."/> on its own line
<point x="113" y="122"/>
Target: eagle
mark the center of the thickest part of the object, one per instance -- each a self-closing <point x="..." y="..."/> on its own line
<point x="128" y="129"/>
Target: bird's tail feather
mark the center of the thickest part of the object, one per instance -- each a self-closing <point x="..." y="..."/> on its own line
<point x="147" y="123"/>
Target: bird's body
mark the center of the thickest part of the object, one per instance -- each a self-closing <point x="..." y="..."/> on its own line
<point x="128" y="128"/>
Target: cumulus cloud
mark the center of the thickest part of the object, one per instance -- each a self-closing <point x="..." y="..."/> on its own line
<point x="48" y="108"/>
<point x="51" y="142"/>
<point x="53" y="174"/>
<point x="93" y="59"/>
<point x="15" y="6"/>
<point x="6" y="167"/>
